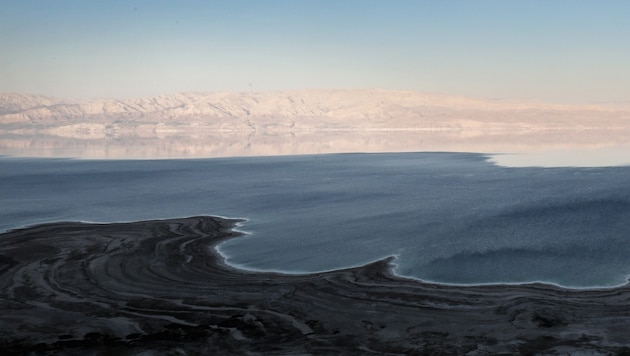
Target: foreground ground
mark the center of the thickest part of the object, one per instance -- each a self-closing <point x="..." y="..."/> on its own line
<point x="158" y="287"/>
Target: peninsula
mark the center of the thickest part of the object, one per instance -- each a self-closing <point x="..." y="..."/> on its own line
<point x="157" y="286"/>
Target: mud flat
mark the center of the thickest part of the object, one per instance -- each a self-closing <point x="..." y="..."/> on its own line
<point x="156" y="287"/>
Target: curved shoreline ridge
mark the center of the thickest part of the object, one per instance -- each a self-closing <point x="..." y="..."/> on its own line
<point x="160" y="285"/>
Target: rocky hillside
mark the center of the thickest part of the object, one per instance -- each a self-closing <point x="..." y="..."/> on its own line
<point x="306" y="110"/>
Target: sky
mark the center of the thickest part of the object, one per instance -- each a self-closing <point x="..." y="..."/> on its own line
<point x="561" y="51"/>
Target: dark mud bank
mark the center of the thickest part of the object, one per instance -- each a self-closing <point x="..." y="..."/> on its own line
<point x="158" y="286"/>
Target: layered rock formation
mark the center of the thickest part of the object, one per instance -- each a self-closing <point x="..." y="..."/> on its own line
<point x="159" y="286"/>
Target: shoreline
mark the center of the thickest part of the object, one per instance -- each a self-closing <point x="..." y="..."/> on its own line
<point x="392" y="266"/>
<point x="159" y="284"/>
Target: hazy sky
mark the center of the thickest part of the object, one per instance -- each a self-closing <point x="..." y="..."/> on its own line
<point x="549" y="50"/>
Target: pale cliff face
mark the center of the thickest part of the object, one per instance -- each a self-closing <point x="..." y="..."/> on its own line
<point x="301" y="122"/>
<point x="315" y="109"/>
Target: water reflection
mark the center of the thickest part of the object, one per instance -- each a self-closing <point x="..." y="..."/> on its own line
<point x="514" y="148"/>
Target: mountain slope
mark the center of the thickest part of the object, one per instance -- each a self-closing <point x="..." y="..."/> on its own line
<point x="293" y="111"/>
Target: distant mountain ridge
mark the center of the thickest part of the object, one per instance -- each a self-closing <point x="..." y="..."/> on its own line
<point x="298" y="110"/>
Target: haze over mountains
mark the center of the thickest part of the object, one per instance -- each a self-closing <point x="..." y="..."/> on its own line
<point x="361" y="116"/>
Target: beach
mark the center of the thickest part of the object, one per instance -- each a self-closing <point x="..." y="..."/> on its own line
<point x="159" y="285"/>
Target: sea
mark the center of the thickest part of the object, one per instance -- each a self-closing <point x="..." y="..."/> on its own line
<point x="453" y="218"/>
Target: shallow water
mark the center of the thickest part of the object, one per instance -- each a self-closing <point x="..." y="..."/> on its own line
<point x="449" y="217"/>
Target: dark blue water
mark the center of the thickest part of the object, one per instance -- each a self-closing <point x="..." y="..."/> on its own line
<point x="449" y="217"/>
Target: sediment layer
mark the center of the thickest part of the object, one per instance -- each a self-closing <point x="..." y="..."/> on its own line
<point x="160" y="285"/>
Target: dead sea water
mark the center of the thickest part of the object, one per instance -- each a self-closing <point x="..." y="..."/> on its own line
<point x="448" y="217"/>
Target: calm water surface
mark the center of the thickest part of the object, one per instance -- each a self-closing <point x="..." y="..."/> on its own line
<point x="449" y="217"/>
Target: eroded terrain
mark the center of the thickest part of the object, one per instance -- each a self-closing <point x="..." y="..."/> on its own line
<point x="158" y="286"/>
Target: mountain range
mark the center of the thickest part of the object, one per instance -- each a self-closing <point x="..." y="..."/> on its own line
<point x="291" y="111"/>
